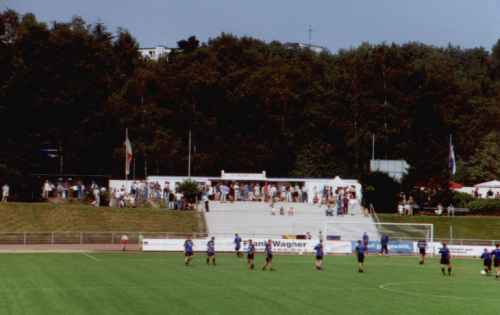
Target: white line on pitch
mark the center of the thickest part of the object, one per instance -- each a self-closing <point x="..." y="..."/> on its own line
<point x="90" y="256"/>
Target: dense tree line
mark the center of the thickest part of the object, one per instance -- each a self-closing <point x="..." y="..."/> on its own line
<point x="251" y="105"/>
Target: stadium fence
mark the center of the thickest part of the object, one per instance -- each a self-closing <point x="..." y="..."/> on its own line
<point x="85" y="238"/>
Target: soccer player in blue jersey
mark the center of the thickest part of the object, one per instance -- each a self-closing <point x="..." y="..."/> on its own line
<point x="422" y="246"/>
<point x="384" y="245"/>
<point x="188" y="251"/>
<point x="360" y="251"/>
<point x="366" y="239"/>
<point x="211" y="251"/>
<point x="496" y="260"/>
<point x="237" y="245"/>
<point x="269" y="256"/>
<point x="319" y="255"/>
<point x="251" y="255"/>
<point x="445" y="259"/>
<point x="486" y="257"/>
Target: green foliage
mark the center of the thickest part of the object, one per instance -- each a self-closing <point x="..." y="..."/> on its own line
<point x="484" y="205"/>
<point x="380" y="190"/>
<point x="190" y="190"/>
<point x="251" y="105"/>
<point x="484" y="164"/>
<point x="460" y="199"/>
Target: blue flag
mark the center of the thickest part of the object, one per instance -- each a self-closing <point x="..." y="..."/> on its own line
<point x="451" y="160"/>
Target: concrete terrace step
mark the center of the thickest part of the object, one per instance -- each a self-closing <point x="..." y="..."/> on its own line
<point x="254" y="219"/>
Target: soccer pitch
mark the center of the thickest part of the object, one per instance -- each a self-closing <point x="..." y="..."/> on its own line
<point x="157" y="283"/>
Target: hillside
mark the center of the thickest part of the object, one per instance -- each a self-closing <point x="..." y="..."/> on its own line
<point x="46" y="217"/>
<point x="466" y="227"/>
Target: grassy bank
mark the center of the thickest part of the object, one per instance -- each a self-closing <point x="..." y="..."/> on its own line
<point x="464" y="227"/>
<point x="36" y="217"/>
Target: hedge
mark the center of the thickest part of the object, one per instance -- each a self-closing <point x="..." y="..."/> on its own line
<point x="460" y="199"/>
<point x="484" y="205"/>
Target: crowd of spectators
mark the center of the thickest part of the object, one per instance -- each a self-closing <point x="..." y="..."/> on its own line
<point x="276" y="192"/>
<point x="137" y="193"/>
<point x="489" y="194"/>
<point x="66" y="189"/>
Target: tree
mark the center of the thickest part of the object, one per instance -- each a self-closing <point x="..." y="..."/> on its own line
<point x="484" y="164"/>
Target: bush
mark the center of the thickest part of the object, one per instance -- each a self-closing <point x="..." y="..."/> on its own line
<point x="190" y="190"/>
<point x="380" y="190"/>
<point x="485" y="206"/>
<point x="460" y="199"/>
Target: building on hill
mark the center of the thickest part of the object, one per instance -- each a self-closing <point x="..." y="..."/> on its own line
<point x="316" y="48"/>
<point x="155" y="53"/>
<point x="394" y="168"/>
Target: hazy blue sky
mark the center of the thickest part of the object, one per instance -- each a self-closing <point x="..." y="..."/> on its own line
<point x="336" y="23"/>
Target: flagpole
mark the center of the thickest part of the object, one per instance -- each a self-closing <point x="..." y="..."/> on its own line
<point x="189" y="154"/>
<point x="125" y="169"/>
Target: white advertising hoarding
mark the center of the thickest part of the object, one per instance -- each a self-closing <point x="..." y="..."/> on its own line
<point x="227" y="245"/>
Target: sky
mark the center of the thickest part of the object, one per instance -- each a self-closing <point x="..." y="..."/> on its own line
<point x="336" y="24"/>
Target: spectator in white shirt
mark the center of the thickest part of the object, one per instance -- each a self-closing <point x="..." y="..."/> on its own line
<point x="5" y="192"/>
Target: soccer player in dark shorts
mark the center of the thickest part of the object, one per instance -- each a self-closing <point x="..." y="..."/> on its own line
<point x="384" y="242"/>
<point x="251" y="255"/>
<point x="360" y="251"/>
<point x="211" y="251"/>
<point x="237" y="245"/>
<point x="422" y="246"/>
<point x="445" y="259"/>
<point x="319" y="255"/>
<point x="486" y="257"/>
<point x="188" y="251"/>
<point x="495" y="254"/>
<point x="269" y="256"/>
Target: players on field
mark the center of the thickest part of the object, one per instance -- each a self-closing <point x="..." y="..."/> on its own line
<point x="445" y="259"/>
<point x="422" y="246"/>
<point x="211" y="251"/>
<point x="269" y="256"/>
<point x="188" y="251"/>
<point x="486" y="257"/>
<point x="495" y="254"/>
<point x="360" y="251"/>
<point x="251" y="255"/>
<point x="319" y="255"/>
<point x="237" y="245"/>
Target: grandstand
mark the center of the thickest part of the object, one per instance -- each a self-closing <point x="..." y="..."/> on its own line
<point x="254" y="219"/>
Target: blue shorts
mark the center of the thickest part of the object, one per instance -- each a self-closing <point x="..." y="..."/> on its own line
<point x="361" y="258"/>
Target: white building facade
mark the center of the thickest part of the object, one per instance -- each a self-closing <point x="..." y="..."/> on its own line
<point x="155" y="53"/>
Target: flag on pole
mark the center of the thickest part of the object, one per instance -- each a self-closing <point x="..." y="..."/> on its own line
<point x="50" y="153"/>
<point x="451" y="160"/>
<point x="128" y="153"/>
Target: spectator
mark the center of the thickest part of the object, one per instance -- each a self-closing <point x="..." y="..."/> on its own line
<point x="206" y="202"/>
<point x="329" y="211"/>
<point x="5" y="192"/>
<point x="97" y="195"/>
<point x="46" y="189"/>
<point x="439" y="209"/>
<point x="489" y="194"/>
<point x="401" y="209"/>
<point x="451" y="210"/>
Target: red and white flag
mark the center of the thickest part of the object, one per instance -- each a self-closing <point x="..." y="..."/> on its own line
<point x="128" y="154"/>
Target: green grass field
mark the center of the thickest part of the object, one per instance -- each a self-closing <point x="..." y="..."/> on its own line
<point x="464" y="227"/>
<point x="155" y="283"/>
<point x="49" y="217"/>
